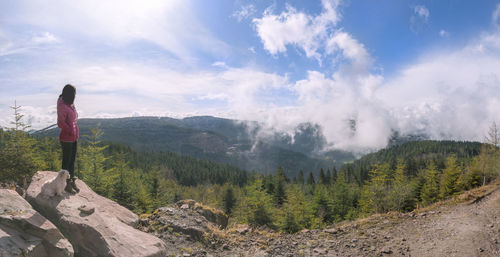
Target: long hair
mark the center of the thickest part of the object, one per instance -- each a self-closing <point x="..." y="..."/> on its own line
<point x="68" y="94"/>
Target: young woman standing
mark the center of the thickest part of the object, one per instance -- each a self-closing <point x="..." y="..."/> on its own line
<point x="67" y="120"/>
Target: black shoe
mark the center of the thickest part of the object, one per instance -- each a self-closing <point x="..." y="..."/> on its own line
<point x="68" y="187"/>
<point x="73" y="184"/>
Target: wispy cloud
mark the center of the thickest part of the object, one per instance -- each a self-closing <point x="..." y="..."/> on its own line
<point x="444" y="33"/>
<point x="245" y="12"/>
<point x="118" y="23"/>
<point x="420" y="18"/>
<point x="496" y="15"/>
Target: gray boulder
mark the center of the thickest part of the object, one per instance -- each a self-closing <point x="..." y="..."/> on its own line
<point x="95" y="225"/>
<point x="24" y="232"/>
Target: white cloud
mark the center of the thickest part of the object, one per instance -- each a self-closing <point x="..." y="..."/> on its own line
<point x="496" y="15"/>
<point x="420" y="18"/>
<point x="444" y="33"/>
<point x="351" y="49"/>
<point x="245" y="12"/>
<point x="297" y="28"/>
<point x="171" y="25"/>
<point x="123" y="88"/>
<point x="449" y="95"/>
<point x="220" y="64"/>
<point x="10" y="44"/>
<point x="422" y="12"/>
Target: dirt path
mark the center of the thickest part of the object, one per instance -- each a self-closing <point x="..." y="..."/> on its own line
<point x="463" y="230"/>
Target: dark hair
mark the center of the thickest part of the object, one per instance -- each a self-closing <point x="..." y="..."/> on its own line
<point x="68" y="94"/>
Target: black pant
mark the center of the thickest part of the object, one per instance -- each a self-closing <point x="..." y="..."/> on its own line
<point x="69" y="156"/>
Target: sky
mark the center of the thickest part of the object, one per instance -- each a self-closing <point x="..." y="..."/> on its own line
<point x="416" y="67"/>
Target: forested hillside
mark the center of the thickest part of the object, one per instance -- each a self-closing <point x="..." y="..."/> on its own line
<point x="400" y="178"/>
<point x="221" y="140"/>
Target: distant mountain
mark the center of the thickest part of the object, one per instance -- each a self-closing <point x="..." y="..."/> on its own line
<point x="221" y="140"/>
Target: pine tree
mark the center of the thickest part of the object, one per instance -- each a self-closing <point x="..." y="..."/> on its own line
<point x="122" y="188"/>
<point x="228" y="199"/>
<point x="279" y="194"/>
<point x="300" y="178"/>
<point x="401" y="195"/>
<point x="450" y="178"/>
<point x="93" y="160"/>
<point x="328" y="177"/>
<point x="310" y="179"/>
<point x="375" y="192"/>
<point x="18" y="159"/>
<point x="322" y="178"/>
<point x="430" y="189"/>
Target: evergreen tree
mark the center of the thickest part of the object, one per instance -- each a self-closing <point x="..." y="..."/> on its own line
<point x="279" y="194"/>
<point x="258" y="205"/>
<point x="430" y="189"/>
<point x="328" y="177"/>
<point x="93" y="160"/>
<point x="321" y="204"/>
<point x="300" y="178"/>
<point x="228" y="199"/>
<point x="18" y="158"/>
<point x="375" y="192"/>
<point x="322" y="178"/>
<point x="401" y="195"/>
<point x="342" y="201"/>
<point x="122" y="188"/>
<point x="310" y="179"/>
<point x="450" y="178"/>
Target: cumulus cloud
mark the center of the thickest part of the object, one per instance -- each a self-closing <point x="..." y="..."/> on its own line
<point x="292" y="27"/>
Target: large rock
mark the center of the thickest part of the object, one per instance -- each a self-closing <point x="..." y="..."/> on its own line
<point x="186" y="217"/>
<point x="95" y="225"/>
<point x="24" y="232"/>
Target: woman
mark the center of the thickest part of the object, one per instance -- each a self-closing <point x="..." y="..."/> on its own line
<point x="66" y="120"/>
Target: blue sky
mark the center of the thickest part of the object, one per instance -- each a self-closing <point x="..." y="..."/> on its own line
<point x="413" y="66"/>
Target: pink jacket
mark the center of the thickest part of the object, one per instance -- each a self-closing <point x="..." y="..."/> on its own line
<point x="66" y="120"/>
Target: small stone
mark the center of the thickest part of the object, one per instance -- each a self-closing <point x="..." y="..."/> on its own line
<point x="491" y="225"/>
<point x="185" y="206"/>
<point x="304" y="231"/>
<point x="186" y="255"/>
<point x="354" y="240"/>
<point x="386" y="250"/>
<point x="331" y="230"/>
<point x="372" y="248"/>
<point x="481" y="249"/>
<point x="86" y="209"/>
<point x="225" y="247"/>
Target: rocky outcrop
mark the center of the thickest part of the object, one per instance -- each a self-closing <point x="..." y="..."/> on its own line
<point x="95" y="225"/>
<point x="188" y="218"/>
<point x="189" y="227"/>
<point x="24" y="232"/>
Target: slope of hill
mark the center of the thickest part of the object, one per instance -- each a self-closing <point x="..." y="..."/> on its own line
<point x="415" y="154"/>
<point x="216" y="139"/>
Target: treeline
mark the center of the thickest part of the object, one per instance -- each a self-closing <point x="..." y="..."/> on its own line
<point x="416" y="154"/>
